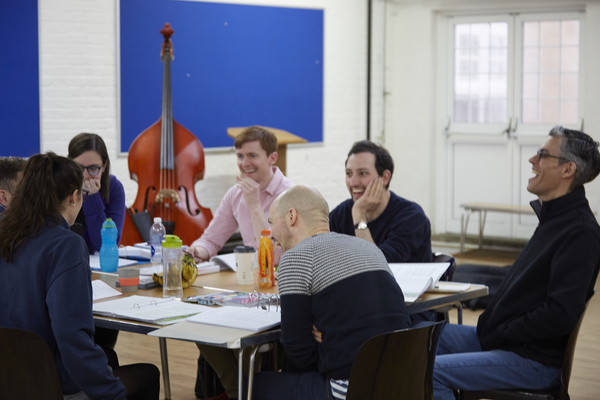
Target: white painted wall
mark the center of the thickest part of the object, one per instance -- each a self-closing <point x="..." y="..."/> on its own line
<point x="79" y="93"/>
<point x="413" y="126"/>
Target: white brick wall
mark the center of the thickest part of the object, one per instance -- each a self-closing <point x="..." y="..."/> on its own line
<point x="78" y="71"/>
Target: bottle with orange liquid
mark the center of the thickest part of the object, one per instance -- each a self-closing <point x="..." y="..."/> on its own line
<point x="266" y="278"/>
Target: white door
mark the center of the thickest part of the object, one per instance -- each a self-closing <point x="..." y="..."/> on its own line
<point x="508" y="80"/>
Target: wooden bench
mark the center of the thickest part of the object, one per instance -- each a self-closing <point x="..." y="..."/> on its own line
<point x="483" y="209"/>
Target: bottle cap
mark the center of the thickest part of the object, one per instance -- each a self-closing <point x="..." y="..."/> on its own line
<point x="109" y="223"/>
<point x="244" y="249"/>
<point x="171" y="242"/>
<point x="265" y="232"/>
<point x="157" y="219"/>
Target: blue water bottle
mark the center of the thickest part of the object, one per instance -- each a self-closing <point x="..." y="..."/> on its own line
<point x="109" y="253"/>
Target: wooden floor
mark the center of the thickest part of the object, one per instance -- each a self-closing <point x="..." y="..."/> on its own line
<point x="183" y="356"/>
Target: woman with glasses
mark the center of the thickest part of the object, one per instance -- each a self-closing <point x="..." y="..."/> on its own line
<point x="104" y="194"/>
<point x="46" y="283"/>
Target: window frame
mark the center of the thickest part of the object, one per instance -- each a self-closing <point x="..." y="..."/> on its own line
<point x="512" y="125"/>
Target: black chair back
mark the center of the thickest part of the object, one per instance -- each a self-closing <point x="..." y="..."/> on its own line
<point x="27" y="369"/>
<point x="443" y="257"/>
<point x="396" y="365"/>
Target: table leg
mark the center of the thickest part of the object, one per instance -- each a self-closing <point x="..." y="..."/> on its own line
<point x="164" y="360"/>
<point x="253" y="350"/>
<point x="459" y="312"/>
<point x="240" y="373"/>
<point x="464" y="222"/>
<point x="481" y="226"/>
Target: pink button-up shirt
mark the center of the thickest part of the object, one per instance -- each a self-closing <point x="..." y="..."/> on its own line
<point x="233" y="213"/>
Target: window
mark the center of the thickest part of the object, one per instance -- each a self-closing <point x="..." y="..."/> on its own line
<point x="516" y="72"/>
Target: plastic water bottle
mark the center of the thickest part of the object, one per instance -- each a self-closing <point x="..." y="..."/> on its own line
<point x="109" y="253"/>
<point x="157" y="233"/>
<point x="172" y="257"/>
<point x="266" y="277"/>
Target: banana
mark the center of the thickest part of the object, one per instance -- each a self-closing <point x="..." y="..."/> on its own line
<point x="158" y="278"/>
<point x="189" y="271"/>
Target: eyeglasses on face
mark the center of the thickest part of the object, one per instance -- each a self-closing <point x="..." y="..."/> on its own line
<point x="93" y="170"/>
<point x="84" y="194"/>
<point x="541" y="153"/>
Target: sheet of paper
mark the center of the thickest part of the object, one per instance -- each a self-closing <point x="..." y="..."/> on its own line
<point x="252" y="319"/>
<point x="450" y="287"/>
<point x="102" y="290"/>
<point x="95" y="262"/>
<point x="226" y="261"/>
<point x="413" y="286"/>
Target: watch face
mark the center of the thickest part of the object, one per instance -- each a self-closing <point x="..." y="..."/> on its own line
<point x="361" y="225"/>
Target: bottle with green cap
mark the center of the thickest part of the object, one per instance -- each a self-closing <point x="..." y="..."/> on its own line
<point x="172" y="254"/>
<point x="109" y="253"/>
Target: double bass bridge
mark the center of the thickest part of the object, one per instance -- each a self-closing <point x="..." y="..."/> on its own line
<point x="167" y="193"/>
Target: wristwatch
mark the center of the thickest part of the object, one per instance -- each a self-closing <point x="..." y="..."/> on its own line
<point x="361" y="225"/>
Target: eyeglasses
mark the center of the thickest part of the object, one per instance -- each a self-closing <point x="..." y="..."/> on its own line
<point x="84" y="194"/>
<point x="93" y="170"/>
<point x="541" y="154"/>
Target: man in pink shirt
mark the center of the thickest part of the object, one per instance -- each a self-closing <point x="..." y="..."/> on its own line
<point x="245" y="206"/>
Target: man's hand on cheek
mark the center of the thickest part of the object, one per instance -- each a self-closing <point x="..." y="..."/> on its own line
<point x="371" y="198"/>
<point x="250" y="190"/>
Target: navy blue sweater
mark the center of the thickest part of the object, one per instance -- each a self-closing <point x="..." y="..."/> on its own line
<point x="542" y="298"/>
<point x="46" y="289"/>
<point x="402" y="232"/>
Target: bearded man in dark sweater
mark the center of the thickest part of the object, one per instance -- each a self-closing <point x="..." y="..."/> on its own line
<point x="520" y="339"/>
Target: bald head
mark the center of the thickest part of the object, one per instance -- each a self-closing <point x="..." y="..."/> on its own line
<point x="296" y="214"/>
<point x="308" y="202"/>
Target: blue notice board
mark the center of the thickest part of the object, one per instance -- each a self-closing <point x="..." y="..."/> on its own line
<point x="235" y="65"/>
<point x="20" y="83"/>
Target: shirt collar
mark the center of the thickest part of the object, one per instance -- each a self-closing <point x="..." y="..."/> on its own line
<point x="275" y="181"/>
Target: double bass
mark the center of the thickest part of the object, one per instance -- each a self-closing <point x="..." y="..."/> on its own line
<point x="166" y="160"/>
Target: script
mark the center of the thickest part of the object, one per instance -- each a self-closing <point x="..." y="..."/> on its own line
<point x="416" y="278"/>
<point x="147" y="309"/>
<point x="251" y="319"/>
<point x="102" y="290"/>
<point x="221" y="262"/>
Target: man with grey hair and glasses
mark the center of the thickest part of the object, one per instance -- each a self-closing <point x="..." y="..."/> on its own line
<point x="520" y="339"/>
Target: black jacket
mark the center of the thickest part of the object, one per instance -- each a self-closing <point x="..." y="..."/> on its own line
<point x="541" y="299"/>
